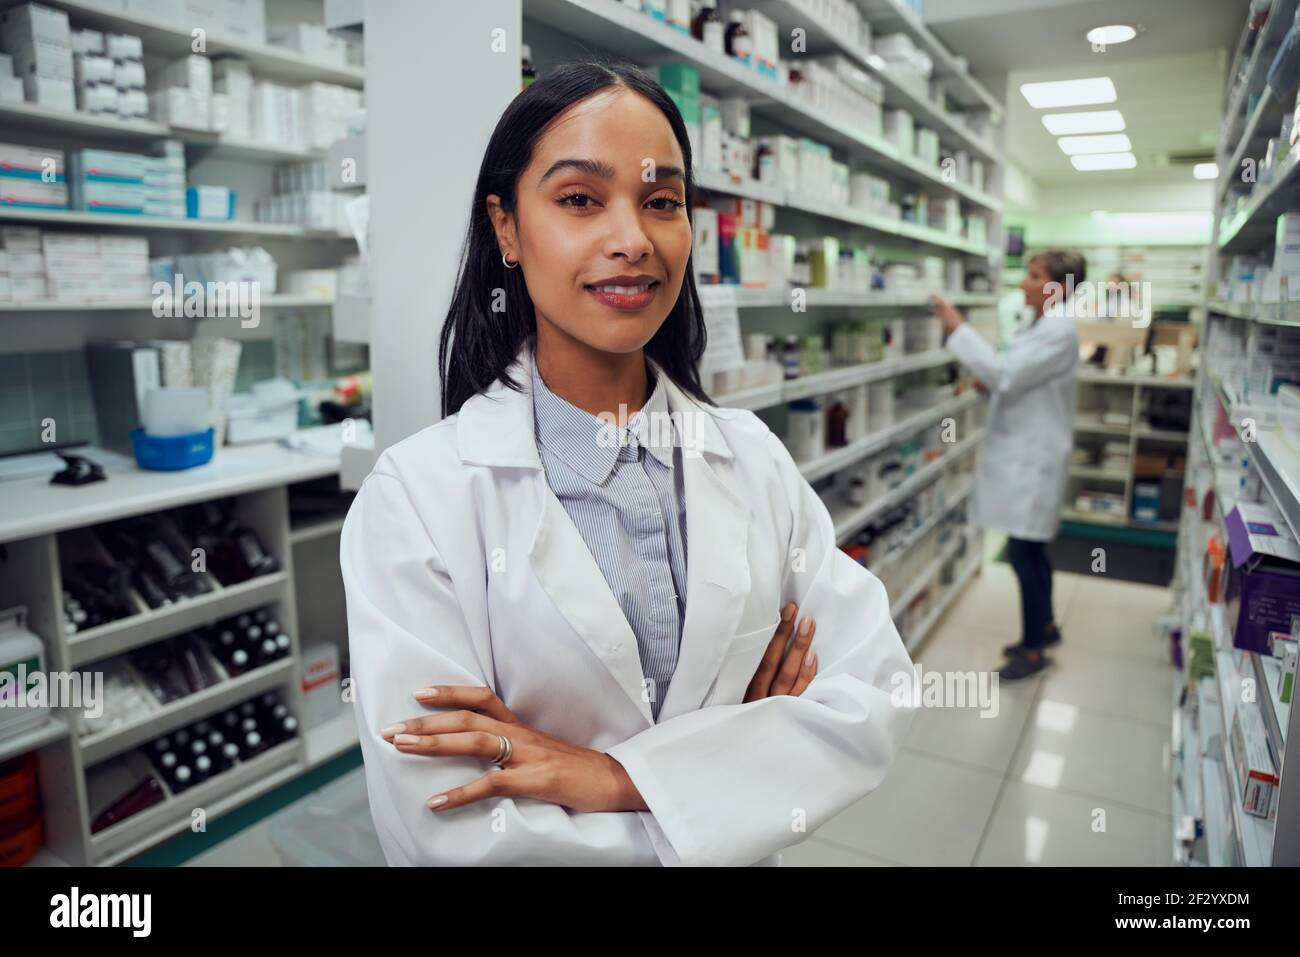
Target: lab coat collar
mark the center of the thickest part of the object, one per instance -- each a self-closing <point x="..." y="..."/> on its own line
<point x="495" y="428"/>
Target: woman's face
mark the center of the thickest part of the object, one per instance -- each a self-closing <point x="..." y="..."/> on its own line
<point x="600" y="228"/>
<point x="1035" y="285"/>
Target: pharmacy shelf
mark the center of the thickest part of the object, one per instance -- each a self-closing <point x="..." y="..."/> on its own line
<point x="833" y="380"/>
<point x="1093" y="425"/>
<point x="753" y="298"/>
<point x="175" y="38"/>
<point x="1255" y="74"/>
<point x="914" y="641"/>
<point x="831" y="462"/>
<point x="886" y="563"/>
<point x="1146" y="381"/>
<point x="1252" y="228"/>
<point x="332" y="738"/>
<point x="310" y="531"/>
<point x="240" y="227"/>
<point x="848" y="521"/>
<point x="717" y="182"/>
<point x="924" y="577"/>
<point x="822" y="38"/>
<point x="890" y="16"/>
<point x="30" y="739"/>
<point x="1267" y="313"/>
<point x="273" y="301"/>
<point x="133" y="631"/>
<point x="35" y="507"/>
<point x="1095" y="472"/>
<point x="217" y="795"/>
<point x="226" y="694"/>
<point x="28" y="116"/>
<point x="615" y="26"/>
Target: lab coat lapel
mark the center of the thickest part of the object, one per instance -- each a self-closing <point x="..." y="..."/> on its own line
<point x="717" y="566"/>
<point x="497" y="429"/>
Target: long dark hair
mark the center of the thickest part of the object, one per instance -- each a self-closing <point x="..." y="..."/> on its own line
<point x="477" y="344"/>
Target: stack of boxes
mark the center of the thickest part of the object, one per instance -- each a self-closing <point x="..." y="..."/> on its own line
<point x="85" y="267"/>
<point x="39" y="41"/>
<point x="909" y="65"/>
<point x="302" y="197"/>
<point x="182" y="94"/>
<point x="24" y="262"/>
<point x="164" y="181"/>
<point x="232" y="90"/>
<point x="106" y="181"/>
<point x="311" y="40"/>
<point x="326" y="109"/>
<point x="32" y="177"/>
<point x="11" y="87"/>
<point x="109" y="74"/>
<point x="39" y="265"/>
<point x="682" y="83"/>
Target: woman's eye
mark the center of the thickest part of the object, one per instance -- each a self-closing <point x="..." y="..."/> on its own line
<point x="576" y="200"/>
<point x="666" y="203"/>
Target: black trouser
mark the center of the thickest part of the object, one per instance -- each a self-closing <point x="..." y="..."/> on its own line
<point x="1034" y="569"/>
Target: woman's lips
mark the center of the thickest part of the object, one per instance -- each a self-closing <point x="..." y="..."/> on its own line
<point x="625" y="298"/>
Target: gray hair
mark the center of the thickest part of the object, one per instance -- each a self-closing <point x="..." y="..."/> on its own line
<point x="1060" y="263"/>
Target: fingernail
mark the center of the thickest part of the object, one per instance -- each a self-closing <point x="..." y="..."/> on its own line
<point x="787" y="611"/>
<point x="427" y="693"/>
<point x="438" y="801"/>
<point x="809" y="658"/>
<point x="803" y="628"/>
<point x="391" y="730"/>
<point x="406" y="739"/>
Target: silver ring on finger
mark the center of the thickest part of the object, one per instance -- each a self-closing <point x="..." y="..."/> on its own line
<point x="503" y="754"/>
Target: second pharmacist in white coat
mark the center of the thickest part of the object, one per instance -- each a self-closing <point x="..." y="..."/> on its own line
<point x="1025" y="459"/>
<point x="593" y="704"/>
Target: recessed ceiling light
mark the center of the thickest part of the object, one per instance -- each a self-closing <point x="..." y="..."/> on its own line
<point x="1072" y="124"/>
<point x="1097" y="161"/>
<point x="1086" y="92"/>
<point x="1206" y="170"/>
<point x="1115" y="33"/>
<point x="1108" y="143"/>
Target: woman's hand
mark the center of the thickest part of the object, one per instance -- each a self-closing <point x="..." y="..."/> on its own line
<point x="946" y="314"/>
<point x="540" y="765"/>
<point x="781" y="671"/>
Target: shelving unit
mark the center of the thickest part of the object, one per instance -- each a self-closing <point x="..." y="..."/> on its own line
<point x="257" y="478"/>
<point x="1244" y="221"/>
<point x="38" y="516"/>
<point x="1091" y="428"/>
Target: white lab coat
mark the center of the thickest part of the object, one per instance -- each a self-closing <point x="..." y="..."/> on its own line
<point x="462" y="567"/>
<point x="1025" y="458"/>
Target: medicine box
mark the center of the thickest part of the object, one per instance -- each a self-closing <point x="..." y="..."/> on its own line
<point x="1254" y="762"/>
<point x="209" y="202"/>
<point x="1262" y="593"/>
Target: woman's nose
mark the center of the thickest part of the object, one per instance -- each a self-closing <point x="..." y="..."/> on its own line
<point x="627" y="236"/>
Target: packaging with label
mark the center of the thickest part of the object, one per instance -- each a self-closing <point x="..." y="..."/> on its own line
<point x="210" y="202"/>
<point x="1254" y="761"/>
<point x="1262" y="594"/>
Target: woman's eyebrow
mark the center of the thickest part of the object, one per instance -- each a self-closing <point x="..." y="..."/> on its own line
<point x="604" y="170"/>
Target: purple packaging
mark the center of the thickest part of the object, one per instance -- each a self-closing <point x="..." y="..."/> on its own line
<point x="1263" y="591"/>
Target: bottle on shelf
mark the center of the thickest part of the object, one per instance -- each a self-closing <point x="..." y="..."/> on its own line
<point x="737" y="40"/>
<point x="528" y="72"/>
<point x="707" y="27"/>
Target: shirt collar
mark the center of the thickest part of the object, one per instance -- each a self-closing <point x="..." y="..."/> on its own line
<point x="581" y="439"/>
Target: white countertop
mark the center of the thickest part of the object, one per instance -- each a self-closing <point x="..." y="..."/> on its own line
<point x="34" y="506"/>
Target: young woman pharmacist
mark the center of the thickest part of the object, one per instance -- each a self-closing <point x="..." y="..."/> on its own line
<point x="569" y="621"/>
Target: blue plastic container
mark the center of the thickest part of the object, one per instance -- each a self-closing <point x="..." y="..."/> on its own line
<point x="170" y="453"/>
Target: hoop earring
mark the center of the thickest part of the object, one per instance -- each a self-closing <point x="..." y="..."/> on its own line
<point x="508" y="264"/>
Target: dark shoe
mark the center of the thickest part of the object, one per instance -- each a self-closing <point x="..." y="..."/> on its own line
<point x="1052" y="637"/>
<point x="1019" y="666"/>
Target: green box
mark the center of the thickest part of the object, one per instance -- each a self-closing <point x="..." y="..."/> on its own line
<point x="687" y="105"/>
<point x="680" y="78"/>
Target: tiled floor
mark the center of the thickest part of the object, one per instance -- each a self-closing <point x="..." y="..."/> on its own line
<point x="1073" y="769"/>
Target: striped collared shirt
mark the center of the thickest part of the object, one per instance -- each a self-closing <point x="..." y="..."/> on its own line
<point x="627" y="500"/>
